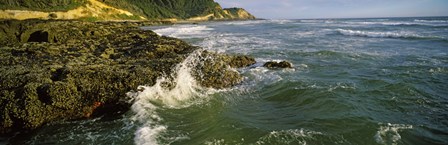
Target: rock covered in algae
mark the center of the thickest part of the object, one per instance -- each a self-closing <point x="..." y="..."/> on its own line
<point x="62" y="70"/>
<point x="273" y="64"/>
<point x="215" y="70"/>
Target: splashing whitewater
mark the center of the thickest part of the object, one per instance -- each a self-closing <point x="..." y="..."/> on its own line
<point x="146" y="102"/>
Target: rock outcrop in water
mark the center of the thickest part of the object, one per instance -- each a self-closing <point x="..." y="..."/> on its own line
<point x="273" y="64"/>
<point x="63" y="70"/>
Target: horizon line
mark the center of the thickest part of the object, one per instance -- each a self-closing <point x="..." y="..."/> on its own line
<point x="352" y="17"/>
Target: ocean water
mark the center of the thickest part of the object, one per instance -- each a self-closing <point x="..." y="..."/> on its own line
<point x="353" y="81"/>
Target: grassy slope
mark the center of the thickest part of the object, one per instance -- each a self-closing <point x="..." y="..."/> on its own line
<point x="151" y="9"/>
<point x="156" y="9"/>
<point x="41" y="5"/>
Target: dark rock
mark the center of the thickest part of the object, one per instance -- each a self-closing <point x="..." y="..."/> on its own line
<point x="63" y="70"/>
<point x="282" y="64"/>
<point x="38" y="36"/>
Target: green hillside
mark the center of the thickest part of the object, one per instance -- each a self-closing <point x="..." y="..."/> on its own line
<point x="153" y="9"/>
<point x="150" y="9"/>
<point x="41" y="5"/>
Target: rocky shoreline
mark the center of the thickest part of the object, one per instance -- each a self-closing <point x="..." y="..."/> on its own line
<point x="64" y="70"/>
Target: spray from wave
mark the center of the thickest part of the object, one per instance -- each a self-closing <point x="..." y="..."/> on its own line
<point x="179" y="92"/>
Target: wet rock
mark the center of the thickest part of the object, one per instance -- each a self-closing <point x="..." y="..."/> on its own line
<point x="80" y="69"/>
<point x="241" y="61"/>
<point x="273" y="64"/>
<point x="217" y="70"/>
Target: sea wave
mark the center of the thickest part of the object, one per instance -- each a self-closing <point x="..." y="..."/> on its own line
<point x="281" y="21"/>
<point x="317" y="21"/>
<point x="184" y="31"/>
<point x="373" y="34"/>
<point x="291" y="136"/>
<point x="388" y="133"/>
<point x="398" y="24"/>
<point x="147" y="101"/>
<point x="251" y="22"/>
<point x="234" y="43"/>
<point x="431" y="21"/>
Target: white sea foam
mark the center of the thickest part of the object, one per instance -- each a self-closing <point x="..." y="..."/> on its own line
<point x="397" y="23"/>
<point x="236" y="43"/>
<point x="388" y="133"/>
<point x="251" y="22"/>
<point x="281" y="21"/>
<point x="184" y="31"/>
<point x="147" y="102"/>
<point x="438" y="70"/>
<point x="216" y="142"/>
<point x="291" y="136"/>
<point x="256" y="76"/>
<point x="400" y="34"/>
<point x="344" y="86"/>
<point x="431" y="21"/>
<point x="308" y="34"/>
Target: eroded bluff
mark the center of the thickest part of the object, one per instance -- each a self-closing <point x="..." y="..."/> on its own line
<point x="62" y="70"/>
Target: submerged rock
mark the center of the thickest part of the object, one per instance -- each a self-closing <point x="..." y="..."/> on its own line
<point x="273" y="64"/>
<point x="62" y="70"/>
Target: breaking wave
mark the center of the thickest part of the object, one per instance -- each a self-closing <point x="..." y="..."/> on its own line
<point x="398" y="24"/>
<point x="184" y="31"/>
<point x="388" y="133"/>
<point x="431" y="21"/>
<point x="180" y="92"/>
<point x="372" y="34"/>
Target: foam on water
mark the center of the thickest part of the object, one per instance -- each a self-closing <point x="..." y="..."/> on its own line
<point x="184" y="31"/>
<point x="236" y="43"/>
<point x="291" y="136"/>
<point x="388" y="133"/>
<point x="216" y="142"/>
<point x="373" y="34"/>
<point x="431" y="21"/>
<point x="397" y="23"/>
<point x="319" y="21"/>
<point x="245" y="22"/>
<point x="261" y="74"/>
<point x="146" y="103"/>
<point x="281" y="21"/>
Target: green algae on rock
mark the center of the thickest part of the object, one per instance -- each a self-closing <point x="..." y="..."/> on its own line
<point x="282" y="64"/>
<point x="63" y="70"/>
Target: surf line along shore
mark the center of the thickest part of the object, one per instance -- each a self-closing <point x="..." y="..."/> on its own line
<point x="64" y="70"/>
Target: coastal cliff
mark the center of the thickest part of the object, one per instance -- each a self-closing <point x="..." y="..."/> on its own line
<point x="112" y="10"/>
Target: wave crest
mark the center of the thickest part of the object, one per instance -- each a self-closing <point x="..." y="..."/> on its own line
<point x="399" y="24"/>
<point x="184" y="31"/>
<point x="179" y="92"/>
<point x="431" y="21"/>
<point x="406" y="35"/>
<point x="388" y="133"/>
